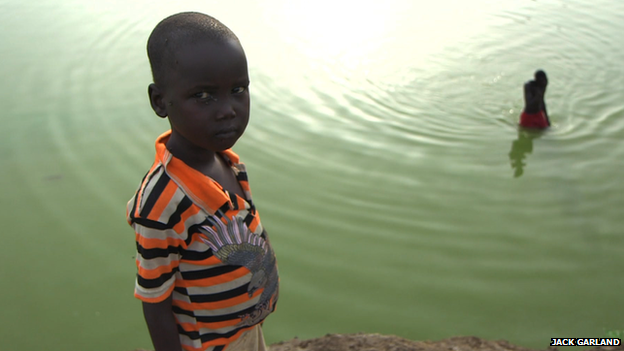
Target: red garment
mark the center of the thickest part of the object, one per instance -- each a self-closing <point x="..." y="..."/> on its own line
<point x="534" y="120"/>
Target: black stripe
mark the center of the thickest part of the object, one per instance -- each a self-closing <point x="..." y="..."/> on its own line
<point x="224" y="208"/>
<point x="176" y="216"/>
<point x="136" y="197"/>
<point x="148" y="223"/>
<point x="206" y="337"/>
<point x="207" y="221"/>
<point x="212" y="336"/>
<point x="134" y="206"/>
<point x="154" y="283"/>
<point x="161" y="183"/>
<point x="208" y="273"/>
<point x="220" y="296"/>
<point x="214" y="319"/>
<point x="248" y="219"/>
<point x="192" y="231"/>
<point x="219" y="348"/>
<point x="189" y="255"/>
<point x="183" y="291"/>
<point x="149" y="254"/>
<point x="234" y="200"/>
<point x="242" y="176"/>
<point x="151" y="176"/>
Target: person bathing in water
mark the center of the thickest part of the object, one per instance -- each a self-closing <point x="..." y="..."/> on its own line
<point x="534" y="114"/>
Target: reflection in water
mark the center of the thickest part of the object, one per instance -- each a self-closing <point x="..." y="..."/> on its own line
<point x="519" y="148"/>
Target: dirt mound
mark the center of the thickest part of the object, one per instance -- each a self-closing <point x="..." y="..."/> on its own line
<point x="378" y="342"/>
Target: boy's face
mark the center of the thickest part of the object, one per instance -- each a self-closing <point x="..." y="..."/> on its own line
<point x="206" y="96"/>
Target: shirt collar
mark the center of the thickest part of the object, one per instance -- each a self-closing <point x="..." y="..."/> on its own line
<point x="203" y="191"/>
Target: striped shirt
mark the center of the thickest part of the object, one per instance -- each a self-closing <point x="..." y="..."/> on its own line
<point x="206" y="247"/>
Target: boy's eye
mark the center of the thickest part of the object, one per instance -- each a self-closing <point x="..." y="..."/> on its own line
<point x="204" y="95"/>
<point x="238" y="90"/>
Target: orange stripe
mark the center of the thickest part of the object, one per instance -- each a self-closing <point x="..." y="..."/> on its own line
<point x="231" y="155"/>
<point x="158" y="271"/>
<point x="193" y="306"/>
<point x="191" y="348"/>
<point x="163" y="201"/>
<point x="240" y="202"/>
<point x="200" y="188"/>
<point x="254" y="223"/>
<point x="217" y="342"/>
<point x="153" y="243"/>
<point x="220" y="279"/>
<point x="191" y="211"/>
<point x="210" y="261"/>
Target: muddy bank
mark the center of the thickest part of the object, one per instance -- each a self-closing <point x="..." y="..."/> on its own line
<point x="378" y="342"/>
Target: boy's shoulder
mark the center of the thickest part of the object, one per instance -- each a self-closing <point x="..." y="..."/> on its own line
<point x="153" y="200"/>
<point x="170" y="188"/>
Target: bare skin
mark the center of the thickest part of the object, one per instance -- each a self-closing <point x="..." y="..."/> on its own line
<point x="162" y="326"/>
<point x="534" y="91"/>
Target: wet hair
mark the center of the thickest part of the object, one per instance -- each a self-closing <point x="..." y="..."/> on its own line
<point x="177" y="31"/>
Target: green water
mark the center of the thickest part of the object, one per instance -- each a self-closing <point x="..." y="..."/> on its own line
<point x="380" y="152"/>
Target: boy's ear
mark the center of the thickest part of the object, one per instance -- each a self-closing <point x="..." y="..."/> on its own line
<point x="157" y="100"/>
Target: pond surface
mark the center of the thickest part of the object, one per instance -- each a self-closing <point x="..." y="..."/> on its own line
<point x="384" y="156"/>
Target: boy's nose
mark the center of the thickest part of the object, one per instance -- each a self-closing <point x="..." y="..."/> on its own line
<point x="226" y="110"/>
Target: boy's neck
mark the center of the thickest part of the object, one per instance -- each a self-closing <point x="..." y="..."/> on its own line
<point x="195" y="157"/>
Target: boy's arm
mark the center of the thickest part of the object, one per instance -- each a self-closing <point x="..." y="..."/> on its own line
<point x="528" y="94"/>
<point x="162" y="325"/>
<point x="546" y="115"/>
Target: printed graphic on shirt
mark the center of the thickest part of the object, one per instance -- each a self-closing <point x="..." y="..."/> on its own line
<point x="234" y="244"/>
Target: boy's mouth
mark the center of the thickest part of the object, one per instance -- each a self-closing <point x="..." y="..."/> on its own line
<point x="226" y="133"/>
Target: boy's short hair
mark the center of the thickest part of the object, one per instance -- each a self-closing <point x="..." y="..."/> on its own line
<point x="540" y="75"/>
<point x="179" y="30"/>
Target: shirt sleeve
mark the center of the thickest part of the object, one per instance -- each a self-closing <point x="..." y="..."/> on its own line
<point x="157" y="260"/>
<point x="158" y="245"/>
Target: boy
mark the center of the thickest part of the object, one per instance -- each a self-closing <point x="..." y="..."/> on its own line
<point x="534" y="114"/>
<point x="207" y="274"/>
